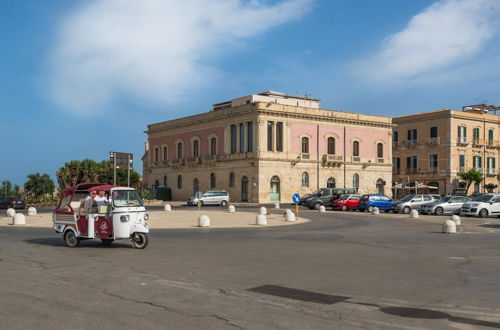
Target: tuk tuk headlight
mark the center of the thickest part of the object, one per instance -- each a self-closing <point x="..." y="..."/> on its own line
<point x="124" y="218"/>
<point x="146" y="217"/>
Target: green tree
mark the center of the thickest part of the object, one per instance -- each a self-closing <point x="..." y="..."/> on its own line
<point x="490" y="187"/>
<point x="471" y="176"/>
<point x="40" y="186"/>
<point x="7" y="189"/>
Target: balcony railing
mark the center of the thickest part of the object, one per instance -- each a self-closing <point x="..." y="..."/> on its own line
<point x="332" y="158"/>
<point x="462" y="141"/>
<point x="209" y="158"/>
<point x="434" y="140"/>
<point x="193" y="160"/>
<point x="492" y="144"/>
<point x="411" y="142"/>
<point x="491" y="171"/>
<point x="433" y="169"/>
<point x="477" y="142"/>
<point x="356" y="159"/>
<point x="305" y="156"/>
<point x="411" y="170"/>
<point x="462" y="169"/>
<point x="176" y="162"/>
<point x="380" y="160"/>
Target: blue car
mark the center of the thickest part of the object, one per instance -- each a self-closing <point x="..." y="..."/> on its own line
<point x="367" y="202"/>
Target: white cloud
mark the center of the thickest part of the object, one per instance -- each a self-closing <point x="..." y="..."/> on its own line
<point x="153" y="50"/>
<point x="446" y="33"/>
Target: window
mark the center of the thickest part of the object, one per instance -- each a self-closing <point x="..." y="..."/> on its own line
<point x="165" y="182"/>
<point x="196" y="186"/>
<point x="355" y="148"/>
<point x="165" y="153"/>
<point x="196" y="148"/>
<point x="412" y="134"/>
<point x="179" y="150"/>
<point x="270" y="125"/>
<point x="234" y="144"/>
<point x="279" y="136"/>
<point x="331" y="146"/>
<point x="417" y="199"/>
<point x="427" y="198"/>
<point x="462" y="160"/>
<point x="476" y="188"/>
<point x="212" y="180"/>
<point x="156" y="154"/>
<point x="250" y="136"/>
<point x="305" y="179"/>
<point x="355" y="181"/>
<point x="179" y="181"/>
<point x="411" y="162"/>
<point x="475" y="133"/>
<point x="213" y="146"/>
<point x="395" y="137"/>
<point x="462" y="132"/>
<point x="396" y="163"/>
<point x="491" y="162"/>
<point x="305" y="145"/>
<point x="476" y="160"/>
<point x="242" y="138"/>
<point x="491" y="135"/>
<point x="433" y="132"/>
<point x="330" y="183"/>
<point x="433" y="161"/>
<point x="380" y="150"/>
<point x="231" y="179"/>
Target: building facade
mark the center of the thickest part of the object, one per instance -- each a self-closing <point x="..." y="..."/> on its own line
<point x="266" y="147"/>
<point x="432" y="148"/>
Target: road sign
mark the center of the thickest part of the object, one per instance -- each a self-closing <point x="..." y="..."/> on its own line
<point x="121" y="160"/>
<point x="296" y="198"/>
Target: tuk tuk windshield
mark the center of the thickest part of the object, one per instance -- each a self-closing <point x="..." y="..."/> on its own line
<point x="122" y="198"/>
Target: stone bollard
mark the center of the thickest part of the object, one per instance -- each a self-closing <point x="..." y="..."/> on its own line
<point x="322" y="209"/>
<point x="18" y="219"/>
<point x="231" y="209"/>
<point x="375" y="210"/>
<point x="261" y="220"/>
<point x="10" y="212"/>
<point x="262" y="211"/>
<point x="456" y="219"/>
<point x="290" y="216"/>
<point x="167" y="207"/>
<point x="449" y="227"/>
<point x="414" y="214"/>
<point x="203" y="221"/>
<point x="276" y="205"/>
<point x="31" y="211"/>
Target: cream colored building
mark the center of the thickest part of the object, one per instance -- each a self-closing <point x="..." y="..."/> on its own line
<point x="432" y="148"/>
<point x="266" y="147"/>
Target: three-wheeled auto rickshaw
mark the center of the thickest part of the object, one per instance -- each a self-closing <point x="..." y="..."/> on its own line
<point x="121" y="216"/>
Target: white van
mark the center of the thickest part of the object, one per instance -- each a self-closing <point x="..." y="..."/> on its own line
<point x="483" y="206"/>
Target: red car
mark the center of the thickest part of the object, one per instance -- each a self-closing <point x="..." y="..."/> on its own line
<point x="346" y="202"/>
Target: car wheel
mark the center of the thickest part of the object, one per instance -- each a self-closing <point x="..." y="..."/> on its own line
<point x="223" y="203"/>
<point x="317" y="205"/>
<point x="71" y="240"/>
<point x="483" y="213"/>
<point x="406" y="209"/>
<point x="344" y="207"/>
<point x="438" y="211"/>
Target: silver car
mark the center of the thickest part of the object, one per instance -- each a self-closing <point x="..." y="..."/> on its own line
<point x="446" y="205"/>
<point x="411" y="202"/>
<point x="211" y="197"/>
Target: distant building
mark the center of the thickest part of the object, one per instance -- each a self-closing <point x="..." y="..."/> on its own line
<point x="265" y="147"/>
<point x="432" y="148"/>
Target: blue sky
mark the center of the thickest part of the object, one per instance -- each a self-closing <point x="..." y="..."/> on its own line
<point x="82" y="78"/>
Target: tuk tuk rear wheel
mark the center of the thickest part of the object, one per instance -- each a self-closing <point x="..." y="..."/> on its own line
<point x="140" y="240"/>
<point x="71" y="240"/>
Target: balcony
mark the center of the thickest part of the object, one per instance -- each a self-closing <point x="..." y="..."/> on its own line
<point x="356" y="159"/>
<point x="480" y="170"/>
<point x="491" y="172"/>
<point x="434" y="141"/>
<point x="411" y="170"/>
<point x="462" y="141"/>
<point x="396" y="171"/>
<point x="462" y="169"/>
<point x="178" y="161"/>
<point x="380" y="160"/>
<point x="332" y="159"/>
<point x="305" y="156"/>
<point x="209" y="158"/>
<point x="433" y="170"/>
<point x="492" y="144"/>
<point x="476" y="142"/>
<point x="410" y="142"/>
<point x="193" y="160"/>
<point x="165" y="163"/>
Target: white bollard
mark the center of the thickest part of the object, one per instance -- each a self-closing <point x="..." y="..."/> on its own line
<point x="276" y="205"/>
<point x="290" y="216"/>
<point x="449" y="227"/>
<point x="10" y="212"/>
<point x="262" y="211"/>
<point x="31" y="211"/>
<point x="375" y="210"/>
<point x="167" y="207"/>
<point x="456" y="219"/>
<point x="261" y="220"/>
<point x="231" y="209"/>
<point x="322" y="209"/>
<point x="414" y="214"/>
<point x="18" y="219"/>
<point x="203" y="221"/>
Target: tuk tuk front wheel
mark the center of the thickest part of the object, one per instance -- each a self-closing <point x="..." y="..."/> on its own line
<point x="70" y="239"/>
<point x="140" y="240"/>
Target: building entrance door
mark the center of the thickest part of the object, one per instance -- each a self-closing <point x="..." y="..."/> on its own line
<point x="275" y="189"/>
<point x="244" y="189"/>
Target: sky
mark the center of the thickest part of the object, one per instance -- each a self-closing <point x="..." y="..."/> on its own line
<point x="81" y="78"/>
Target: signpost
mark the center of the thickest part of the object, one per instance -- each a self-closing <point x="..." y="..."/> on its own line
<point x="121" y="160"/>
<point x="296" y="201"/>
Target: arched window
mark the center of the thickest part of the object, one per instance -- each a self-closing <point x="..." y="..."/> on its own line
<point x="231" y="179"/>
<point x="355" y="148"/>
<point x="196" y="148"/>
<point x="156" y="184"/>
<point x="331" y="146"/>
<point x="355" y="181"/>
<point x="275" y="194"/>
<point x="305" y="179"/>
<point x="380" y="186"/>
<point x="165" y="182"/>
<point x="212" y="180"/>
<point x="179" y="150"/>
<point x="213" y="146"/>
<point x="380" y="150"/>
<point x="179" y="181"/>
<point x="157" y="157"/>
<point x="305" y="145"/>
<point x="165" y="153"/>
<point x="330" y="183"/>
<point x="196" y="186"/>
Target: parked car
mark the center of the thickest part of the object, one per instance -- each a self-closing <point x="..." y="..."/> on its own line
<point x="346" y="202"/>
<point x="324" y="197"/>
<point x="211" y="197"/>
<point x="411" y="202"/>
<point x="368" y="202"/>
<point x="445" y="205"/>
<point x="11" y="202"/>
<point x="484" y="205"/>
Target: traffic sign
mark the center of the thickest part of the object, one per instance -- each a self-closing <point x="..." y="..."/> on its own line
<point x="296" y="198"/>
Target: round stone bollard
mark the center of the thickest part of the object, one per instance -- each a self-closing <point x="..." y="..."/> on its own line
<point x="290" y="216"/>
<point x="18" y="219"/>
<point x="167" y="207"/>
<point x="261" y="220"/>
<point x="203" y="221"/>
<point x="276" y="205"/>
<point x="375" y="210"/>
<point x="262" y="211"/>
<point x="10" y="212"/>
<point x="456" y="219"/>
<point x="322" y="209"/>
<point x="231" y="209"/>
<point x="31" y="211"/>
<point x="414" y="214"/>
<point x="449" y="227"/>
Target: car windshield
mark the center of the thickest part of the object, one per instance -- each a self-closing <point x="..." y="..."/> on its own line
<point x="407" y="198"/>
<point x="126" y="198"/>
<point x="343" y="197"/>
<point x="483" y="198"/>
<point x="445" y="199"/>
